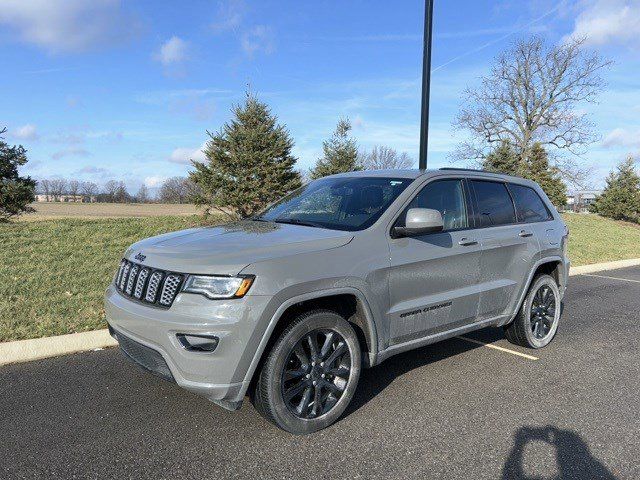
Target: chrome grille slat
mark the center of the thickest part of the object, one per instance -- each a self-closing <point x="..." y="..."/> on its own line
<point x="147" y="284"/>
<point x="169" y="289"/>
<point x="142" y="277"/>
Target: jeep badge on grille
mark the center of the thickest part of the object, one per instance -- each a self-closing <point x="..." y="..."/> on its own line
<point x="140" y="257"/>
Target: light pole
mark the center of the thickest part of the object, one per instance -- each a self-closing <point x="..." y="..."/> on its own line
<point x="426" y="83"/>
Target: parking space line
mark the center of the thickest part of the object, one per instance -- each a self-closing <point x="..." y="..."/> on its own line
<point x="611" y="278"/>
<point x="496" y="347"/>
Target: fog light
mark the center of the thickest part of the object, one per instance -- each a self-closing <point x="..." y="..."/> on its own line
<point x="198" y="343"/>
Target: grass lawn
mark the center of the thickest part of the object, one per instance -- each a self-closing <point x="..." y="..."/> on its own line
<point x="53" y="273"/>
<point x="594" y="239"/>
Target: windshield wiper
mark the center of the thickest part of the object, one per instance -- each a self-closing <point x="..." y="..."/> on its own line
<point x="295" y="221"/>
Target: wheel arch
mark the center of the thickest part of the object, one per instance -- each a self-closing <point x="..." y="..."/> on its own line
<point x="548" y="265"/>
<point x="345" y="300"/>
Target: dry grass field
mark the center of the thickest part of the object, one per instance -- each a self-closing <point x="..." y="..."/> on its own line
<point x="57" y="210"/>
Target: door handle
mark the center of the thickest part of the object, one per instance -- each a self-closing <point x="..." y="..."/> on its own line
<point x="465" y="242"/>
<point x="525" y="233"/>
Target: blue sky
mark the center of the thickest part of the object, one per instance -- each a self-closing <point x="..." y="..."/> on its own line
<point x="107" y="89"/>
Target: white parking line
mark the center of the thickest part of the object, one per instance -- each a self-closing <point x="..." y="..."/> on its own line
<point x="611" y="278"/>
<point x="496" y="347"/>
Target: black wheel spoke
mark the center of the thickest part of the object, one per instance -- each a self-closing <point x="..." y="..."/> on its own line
<point x="340" y="350"/>
<point x="312" y="342"/>
<point x="316" y="373"/>
<point x="294" y="390"/>
<point x="326" y="346"/>
<point x="293" y="374"/>
<point x="303" y="406"/>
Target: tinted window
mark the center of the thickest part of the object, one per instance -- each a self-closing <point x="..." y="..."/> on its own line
<point x="342" y="203"/>
<point x="494" y="204"/>
<point x="529" y="205"/>
<point x="446" y="196"/>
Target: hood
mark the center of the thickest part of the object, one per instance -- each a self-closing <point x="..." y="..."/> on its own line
<point x="227" y="249"/>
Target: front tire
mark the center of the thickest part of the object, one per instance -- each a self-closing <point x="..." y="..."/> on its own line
<point x="310" y="374"/>
<point x="537" y="320"/>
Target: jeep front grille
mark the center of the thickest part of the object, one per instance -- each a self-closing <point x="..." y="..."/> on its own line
<point x="147" y="284"/>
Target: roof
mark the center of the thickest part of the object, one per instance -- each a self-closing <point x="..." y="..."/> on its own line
<point x="415" y="173"/>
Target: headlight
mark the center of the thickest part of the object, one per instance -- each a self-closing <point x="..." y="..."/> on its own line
<point x="218" y="287"/>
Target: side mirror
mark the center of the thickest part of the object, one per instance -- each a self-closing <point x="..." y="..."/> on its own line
<point x="420" y="221"/>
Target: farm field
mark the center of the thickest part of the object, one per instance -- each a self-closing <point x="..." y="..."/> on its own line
<point x="53" y="210"/>
<point x="53" y="272"/>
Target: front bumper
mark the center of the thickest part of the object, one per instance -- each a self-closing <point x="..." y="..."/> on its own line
<point x="218" y="375"/>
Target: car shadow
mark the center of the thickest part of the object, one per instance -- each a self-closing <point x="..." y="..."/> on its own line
<point x="374" y="380"/>
<point x="573" y="457"/>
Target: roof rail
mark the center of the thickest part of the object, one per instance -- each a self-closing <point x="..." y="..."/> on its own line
<point x="466" y="169"/>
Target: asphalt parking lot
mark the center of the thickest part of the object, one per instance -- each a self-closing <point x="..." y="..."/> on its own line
<point x="452" y="410"/>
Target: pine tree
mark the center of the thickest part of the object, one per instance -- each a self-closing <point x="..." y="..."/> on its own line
<point x="620" y="199"/>
<point x="502" y="160"/>
<point x="249" y="162"/>
<point x="340" y="153"/>
<point x="16" y="192"/>
<point x="536" y="167"/>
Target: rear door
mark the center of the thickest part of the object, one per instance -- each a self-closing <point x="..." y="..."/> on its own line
<point x="434" y="277"/>
<point x="509" y="248"/>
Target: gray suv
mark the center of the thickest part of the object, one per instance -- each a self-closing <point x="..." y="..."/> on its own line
<point x="288" y="306"/>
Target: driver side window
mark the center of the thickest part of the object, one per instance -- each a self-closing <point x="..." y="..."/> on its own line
<point x="446" y="196"/>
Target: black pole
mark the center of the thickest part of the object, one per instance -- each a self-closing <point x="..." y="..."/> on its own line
<point x="426" y="84"/>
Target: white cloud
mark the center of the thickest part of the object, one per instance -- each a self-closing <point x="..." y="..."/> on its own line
<point x="608" y="21"/>
<point x="621" y="137"/>
<point x="67" y="25"/>
<point x="26" y="132"/>
<point x="185" y="155"/>
<point x="154" y="181"/>
<point x="173" y="51"/>
<point x="229" y="16"/>
<point x="258" y="39"/>
<point x="70" y="152"/>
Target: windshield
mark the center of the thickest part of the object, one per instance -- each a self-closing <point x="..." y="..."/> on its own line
<point x="347" y="203"/>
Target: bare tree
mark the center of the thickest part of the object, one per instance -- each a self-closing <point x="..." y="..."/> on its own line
<point x="386" y="158"/>
<point x="143" y="194"/>
<point x="45" y="187"/>
<point x="176" y="190"/>
<point x="110" y="189"/>
<point x="57" y="186"/>
<point x="73" y="187"/>
<point x="531" y="96"/>
<point x="88" y="189"/>
<point x="121" y="195"/>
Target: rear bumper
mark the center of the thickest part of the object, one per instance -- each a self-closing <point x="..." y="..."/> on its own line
<point x="147" y="335"/>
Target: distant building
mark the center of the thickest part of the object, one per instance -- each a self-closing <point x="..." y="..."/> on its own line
<point x="66" y="198"/>
<point x="580" y="200"/>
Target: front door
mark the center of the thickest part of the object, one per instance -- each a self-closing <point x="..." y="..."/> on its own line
<point x="434" y="277"/>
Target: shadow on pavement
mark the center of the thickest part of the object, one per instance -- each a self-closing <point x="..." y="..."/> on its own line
<point x="573" y="457"/>
<point x="374" y="380"/>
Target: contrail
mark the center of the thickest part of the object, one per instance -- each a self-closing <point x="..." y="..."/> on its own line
<point x="500" y="39"/>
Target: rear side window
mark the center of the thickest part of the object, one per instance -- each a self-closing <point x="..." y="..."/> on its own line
<point x="446" y="196"/>
<point x="529" y="205"/>
<point x="494" y="203"/>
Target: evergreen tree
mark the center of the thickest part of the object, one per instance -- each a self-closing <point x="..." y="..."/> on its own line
<point x="502" y="160"/>
<point x="249" y="162"/>
<point x="16" y="192"/>
<point x="620" y="199"/>
<point x="536" y="167"/>
<point x="340" y="153"/>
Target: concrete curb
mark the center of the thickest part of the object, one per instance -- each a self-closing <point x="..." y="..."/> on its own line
<point x="599" y="267"/>
<point x="39" y="348"/>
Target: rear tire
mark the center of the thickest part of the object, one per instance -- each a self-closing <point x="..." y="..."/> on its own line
<point x="537" y="320"/>
<point x="311" y="373"/>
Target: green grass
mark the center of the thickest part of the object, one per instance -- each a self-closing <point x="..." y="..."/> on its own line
<point x="594" y="239"/>
<point x="53" y="273"/>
